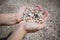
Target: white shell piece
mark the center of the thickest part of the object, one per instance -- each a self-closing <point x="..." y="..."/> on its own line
<point x="31" y="14"/>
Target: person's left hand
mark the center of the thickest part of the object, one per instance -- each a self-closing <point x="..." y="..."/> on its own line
<point x="19" y="14"/>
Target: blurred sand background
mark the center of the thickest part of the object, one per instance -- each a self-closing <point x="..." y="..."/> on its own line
<point x="51" y="32"/>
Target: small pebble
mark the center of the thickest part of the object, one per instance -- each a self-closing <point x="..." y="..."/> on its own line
<point x="32" y="15"/>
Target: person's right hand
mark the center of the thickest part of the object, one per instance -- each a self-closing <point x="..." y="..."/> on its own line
<point x="31" y="27"/>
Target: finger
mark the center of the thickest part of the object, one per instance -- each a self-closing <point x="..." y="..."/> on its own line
<point x="18" y="21"/>
<point x="39" y="7"/>
<point x="45" y="16"/>
<point x="45" y="13"/>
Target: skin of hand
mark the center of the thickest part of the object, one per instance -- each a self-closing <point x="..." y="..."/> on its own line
<point x="15" y="18"/>
<point x="12" y="18"/>
<point x="22" y="28"/>
<point x="34" y="26"/>
<point x="19" y="13"/>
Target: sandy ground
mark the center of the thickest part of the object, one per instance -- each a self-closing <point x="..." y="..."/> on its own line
<point x="51" y="32"/>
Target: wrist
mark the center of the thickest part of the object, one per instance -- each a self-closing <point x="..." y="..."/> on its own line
<point x="18" y="34"/>
<point x="7" y="18"/>
<point x="23" y="28"/>
<point x="13" y="18"/>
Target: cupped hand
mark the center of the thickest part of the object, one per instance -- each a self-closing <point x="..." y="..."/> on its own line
<point x="19" y="13"/>
<point x="31" y="26"/>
